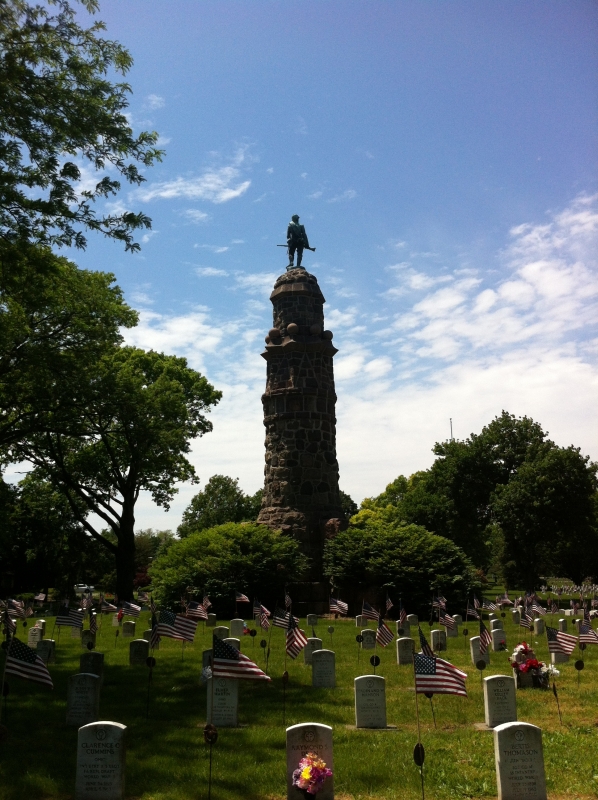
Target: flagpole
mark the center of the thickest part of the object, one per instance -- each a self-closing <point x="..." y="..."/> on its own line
<point x="419" y="737"/>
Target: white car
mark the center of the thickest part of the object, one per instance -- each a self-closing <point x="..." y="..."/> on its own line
<point x="82" y="588"/>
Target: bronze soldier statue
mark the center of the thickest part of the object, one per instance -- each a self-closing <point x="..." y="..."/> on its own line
<point x="296" y="240"/>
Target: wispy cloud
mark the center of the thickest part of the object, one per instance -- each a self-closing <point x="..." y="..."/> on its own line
<point x="257" y="283"/>
<point x="195" y="216"/>
<point x="349" y="194"/>
<point x="154" y="101"/>
<point x="210" y="272"/>
<point x="213" y="248"/>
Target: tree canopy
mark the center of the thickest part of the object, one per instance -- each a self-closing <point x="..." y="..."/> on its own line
<point x="221" y="501"/>
<point x="61" y="115"/>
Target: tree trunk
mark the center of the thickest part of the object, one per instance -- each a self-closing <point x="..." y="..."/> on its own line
<point x="125" y="554"/>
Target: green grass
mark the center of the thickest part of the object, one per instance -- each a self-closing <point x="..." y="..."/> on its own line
<point x="168" y="760"/>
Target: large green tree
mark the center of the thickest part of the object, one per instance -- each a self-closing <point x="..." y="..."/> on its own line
<point x="61" y="113"/>
<point x="221" y="501"/>
<point x="133" y="415"/>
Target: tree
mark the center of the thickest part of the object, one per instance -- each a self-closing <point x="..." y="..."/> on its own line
<point x="148" y="543"/>
<point x="226" y="558"/>
<point x="55" y="320"/>
<point x="348" y="505"/>
<point x="59" y="113"/>
<point x="221" y="501"/>
<point x="378" y="549"/>
<point x="133" y="414"/>
<point x="547" y="516"/>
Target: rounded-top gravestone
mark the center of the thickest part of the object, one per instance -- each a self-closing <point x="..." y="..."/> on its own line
<point x="370" y="701"/>
<point x="519" y="761"/>
<point x="237" y="627"/>
<point x="101" y="762"/>
<point x="309" y="737"/>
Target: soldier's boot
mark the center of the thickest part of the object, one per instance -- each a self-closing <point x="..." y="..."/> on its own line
<point x="299" y="256"/>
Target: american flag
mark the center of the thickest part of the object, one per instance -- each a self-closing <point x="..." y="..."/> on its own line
<point x="280" y="619"/>
<point x="384" y="635"/>
<point x="64" y="618"/>
<point x="143" y="597"/>
<point x="295" y="638"/>
<point x="39" y="598"/>
<point x="287" y="600"/>
<point x="17" y="608"/>
<point x="476" y="602"/>
<point x="485" y="638"/>
<point x="368" y="612"/>
<point x="402" y="616"/>
<point x="175" y="626"/>
<point x="559" y="641"/>
<point x="206" y="602"/>
<point x="554" y="609"/>
<point x="423" y="644"/>
<point x="228" y="662"/>
<point x="93" y="624"/>
<point x="343" y="608"/>
<point x="195" y="610"/>
<point x="538" y="609"/>
<point x="525" y="621"/>
<point x="77" y="615"/>
<point x="24" y="662"/>
<point x="587" y="634"/>
<point x="258" y="608"/>
<point x="389" y="603"/>
<point x="107" y="607"/>
<point x="488" y="604"/>
<point x="130" y="609"/>
<point x="438" y="602"/>
<point x="87" y="602"/>
<point x="241" y="598"/>
<point x="153" y="606"/>
<point x="503" y="600"/>
<point x="8" y="623"/>
<point x="334" y="606"/>
<point x="471" y="612"/>
<point x="434" y="675"/>
<point x="447" y="621"/>
<point x="264" y="622"/>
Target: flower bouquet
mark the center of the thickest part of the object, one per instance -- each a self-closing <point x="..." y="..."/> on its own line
<point x="528" y="671"/>
<point x="310" y="775"/>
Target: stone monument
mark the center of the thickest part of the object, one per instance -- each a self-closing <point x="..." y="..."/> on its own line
<point x="309" y="737"/>
<point x="500" y="702"/>
<point x="101" y="762"/>
<point x="519" y="762"/>
<point x="301" y="494"/>
<point x="370" y="701"/>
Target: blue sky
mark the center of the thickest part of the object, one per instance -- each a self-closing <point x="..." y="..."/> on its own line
<point x="443" y="158"/>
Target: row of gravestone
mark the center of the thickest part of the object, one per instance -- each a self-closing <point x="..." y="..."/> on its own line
<point x="519" y="760"/>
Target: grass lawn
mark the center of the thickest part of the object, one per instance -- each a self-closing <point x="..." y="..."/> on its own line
<point x="167" y="758"/>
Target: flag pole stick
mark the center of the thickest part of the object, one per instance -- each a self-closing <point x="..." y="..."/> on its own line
<point x="4" y="673"/>
<point x="419" y="737"/>
<point x="556" y="697"/>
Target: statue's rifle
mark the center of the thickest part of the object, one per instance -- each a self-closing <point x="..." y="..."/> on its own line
<point x="305" y="247"/>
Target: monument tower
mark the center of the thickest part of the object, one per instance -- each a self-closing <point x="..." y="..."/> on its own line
<point x="301" y="495"/>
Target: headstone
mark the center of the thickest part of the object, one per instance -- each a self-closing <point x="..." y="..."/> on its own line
<point x="129" y="629"/>
<point x="223" y="702"/>
<point x="211" y="621"/>
<point x="234" y="641"/>
<point x="577" y="623"/>
<point x="500" y="701"/>
<point x="569" y="612"/>
<point x="312" y="620"/>
<point x="496" y="625"/>
<point x="412" y="619"/>
<point x="458" y="619"/>
<point x="404" y="629"/>
<point x="147" y="635"/>
<point x="237" y="626"/>
<point x="138" y="652"/>
<point x="75" y="632"/>
<point x="563" y="625"/>
<point x="92" y="662"/>
<point x="221" y="631"/>
<point x="499" y="640"/>
<point x="361" y="622"/>
<point x="539" y="626"/>
<point x="405" y="650"/>
<point x="492" y="616"/>
<point x="41" y="623"/>
<point x="313" y="643"/>
<point x="515" y="616"/>
<point x="438" y="641"/>
<point x="206" y="658"/>
<point x="519" y="762"/>
<point x="369" y="639"/>
<point x="83" y="699"/>
<point x="559" y="658"/>
<point x="309" y="737"/>
<point x="116" y="622"/>
<point x="34" y="635"/>
<point x="46" y="650"/>
<point x="101" y="762"/>
<point x="474" y="649"/>
<point x="451" y="633"/>
<point x="86" y="637"/>
<point x="370" y="701"/>
<point x="323" y="674"/>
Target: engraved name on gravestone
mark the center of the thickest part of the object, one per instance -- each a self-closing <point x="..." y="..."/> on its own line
<point x="370" y="701"/>
<point x="474" y="649"/>
<point x="519" y="762"/>
<point x="223" y="702"/>
<point x="92" y="662"/>
<point x="405" y="649"/>
<point x="323" y="674"/>
<point x="101" y="762"/>
<point x="313" y="644"/>
<point x="129" y="629"/>
<point x="369" y="639"/>
<point x="309" y="737"/>
<point x="138" y="652"/>
<point x="438" y="641"/>
<point x="46" y="650"/>
<point x="83" y="699"/>
<point x="221" y="632"/>
<point x="237" y="626"/>
<point x="500" y="702"/>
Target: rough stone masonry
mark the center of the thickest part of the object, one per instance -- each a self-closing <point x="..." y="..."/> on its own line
<point x="301" y="495"/>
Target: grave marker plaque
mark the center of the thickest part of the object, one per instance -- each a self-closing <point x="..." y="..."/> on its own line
<point x="41" y="623"/>
<point x="129" y="629"/>
<point x="515" y="616"/>
<point x="312" y="620"/>
<point x="138" y="652"/>
<point x="237" y="626"/>
<point x="223" y="702"/>
<point x="34" y="635"/>
<point x="86" y="637"/>
<point x="101" y="762"/>
<point x="369" y="639"/>
<point x="451" y="633"/>
<point x="474" y="649"/>
<point x="313" y="644"/>
<point x="404" y="629"/>
<point x="412" y="619"/>
<point x="563" y="625"/>
<point x="46" y="650"/>
<point x="309" y="737"/>
<point x="539" y="627"/>
<point x="496" y="625"/>
<point x="221" y="632"/>
<point x="75" y="632"/>
<point x="323" y="675"/>
<point x="116" y="622"/>
<point x="519" y="762"/>
<point x="405" y="650"/>
<point x="211" y="621"/>
<point x="370" y="701"/>
<point x="499" y="640"/>
<point x="500" y="701"/>
<point x="83" y="699"/>
<point x="438" y="641"/>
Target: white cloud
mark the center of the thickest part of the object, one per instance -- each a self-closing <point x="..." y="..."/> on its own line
<point x="147" y="236"/>
<point x="315" y="195"/>
<point x="154" y="101"/>
<point x="270" y="170"/>
<point x="213" y="248"/>
<point x="257" y="283"/>
<point x="215" y="184"/>
<point x="195" y="215"/>
<point x="210" y="272"/>
<point x="349" y="194"/>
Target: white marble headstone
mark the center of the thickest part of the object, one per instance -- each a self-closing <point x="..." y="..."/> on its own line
<point x="223" y="702"/>
<point x="75" y="632"/>
<point x="360" y="621"/>
<point x="313" y="644"/>
<point x="369" y="639"/>
<point x="211" y="621"/>
<point x="539" y="626"/>
<point x="88" y="636"/>
<point x="412" y="619"/>
<point x="515" y="616"/>
<point x="474" y="649"/>
<point x="323" y="674"/>
<point x="370" y="701"/>
<point x="101" y="762"/>
<point x="563" y="625"/>
<point x="138" y="652"/>
<point x="312" y="620"/>
<point x="234" y="641"/>
<point x="46" y="650"/>
<point x="500" y="701"/>
<point x="458" y="619"/>
<point x="438" y="641"/>
<point x="405" y="650"/>
<point x="309" y="737"/>
<point x="116" y="623"/>
<point x="129" y="629"/>
<point x="499" y="640"/>
<point x="83" y="699"/>
<point x="404" y="629"/>
<point x="41" y="623"/>
<point x="496" y="625"/>
<point x="451" y="633"/>
<point x="519" y="762"/>
<point x="34" y="635"/>
<point x="237" y="626"/>
<point x="221" y="632"/>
